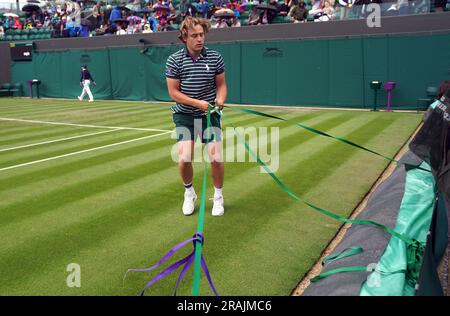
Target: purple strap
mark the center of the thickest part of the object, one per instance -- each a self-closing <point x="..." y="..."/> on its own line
<point x="187" y="261"/>
<point x="205" y="269"/>
<point x="190" y="260"/>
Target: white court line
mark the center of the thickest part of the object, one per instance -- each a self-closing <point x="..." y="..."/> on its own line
<point x="84" y="125"/>
<point x="82" y="151"/>
<point x="58" y="140"/>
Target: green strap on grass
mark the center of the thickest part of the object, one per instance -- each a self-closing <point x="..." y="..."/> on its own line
<point x="311" y="129"/>
<point x="351" y="251"/>
<point x="323" y="211"/>
<point x="348" y="252"/>
<point x="414" y="247"/>
<point x="352" y="269"/>
<point x="201" y="218"/>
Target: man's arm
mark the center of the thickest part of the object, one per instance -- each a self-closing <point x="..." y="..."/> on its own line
<point x="173" y="85"/>
<point x="93" y="81"/>
<point x="221" y="85"/>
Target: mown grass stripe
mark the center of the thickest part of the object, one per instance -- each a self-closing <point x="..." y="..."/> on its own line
<point x="296" y="260"/>
<point x="64" y="168"/>
<point x="103" y="220"/>
<point x="57" y="140"/>
<point x="106" y="225"/>
<point x="72" y="153"/>
<point x="25" y="205"/>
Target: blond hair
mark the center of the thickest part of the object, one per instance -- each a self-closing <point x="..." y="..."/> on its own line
<point x="190" y="22"/>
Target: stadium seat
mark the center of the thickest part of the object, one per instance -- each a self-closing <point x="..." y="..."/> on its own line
<point x="17" y="87"/>
<point x="23" y="37"/>
<point x="16" y="37"/>
<point x="277" y="20"/>
<point x="244" y="22"/>
<point x="424" y="103"/>
<point x="5" y="89"/>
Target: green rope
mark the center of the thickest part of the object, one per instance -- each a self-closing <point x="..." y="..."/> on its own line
<point x="201" y="219"/>
<point x="351" y="251"/>
<point x="414" y="247"/>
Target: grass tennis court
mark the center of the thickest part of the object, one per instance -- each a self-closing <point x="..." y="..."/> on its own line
<point x="94" y="184"/>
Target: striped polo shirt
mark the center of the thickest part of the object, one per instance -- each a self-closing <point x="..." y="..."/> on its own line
<point x="197" y="78"/>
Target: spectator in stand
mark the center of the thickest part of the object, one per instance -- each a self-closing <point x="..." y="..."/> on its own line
<point x="233" y="5"/>
<point x="84" y="31"/>
<point x="131" y="27"/>
<point x="203" y="9"/>
<point x="439" y="5"/>
<point x="2" y="30"/>
<point x="298" y="12"/>
<point x="158" y="4"/>
<point x="223" y="23"/>
<point x="183" y="7"/>
<point x="28" y="25"/>
<point x="47" y="22"/>
<point x="263" y="18"/>
<point x="162" y="20"/>
<point x="9" y="22"/>
<point x="115" y="14"/>
<point x="191" y="10"/>
<point x="284" y="8"/>
<point x="220" y="3"/>
<point x="316" y="7"/>
<point x="107" y="14"/>
<point x="270" y="13"/>
<point x="254" y="17"/>
<point x="236" y="22"/>
<point x="72" y="31"/>
<point x="62" y="27"/>
<point x="96" y="13"/>
<point x="138" y="26"/>
<point x="170" y="5"/>
<point x="167" y="27"/>
<point x="327" y="13"/>
<point x="17" y="24"/>
<point x="146" y="28"/>
<point x="120" y="29"/>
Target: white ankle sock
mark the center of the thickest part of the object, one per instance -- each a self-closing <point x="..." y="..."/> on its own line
<point x="217" y="192"/>
<point x="190" y="189"/>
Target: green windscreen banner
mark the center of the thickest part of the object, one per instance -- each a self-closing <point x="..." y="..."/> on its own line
<point x="321" y="72"/>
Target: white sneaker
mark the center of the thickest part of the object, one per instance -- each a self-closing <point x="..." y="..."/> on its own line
<point x="79" y="98"/>
<point x="189" y="202"/>
<point x="91" y="100"/>
<point x="218" y="208"/>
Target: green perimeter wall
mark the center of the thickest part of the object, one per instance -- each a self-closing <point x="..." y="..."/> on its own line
<point x="328" y="72"/>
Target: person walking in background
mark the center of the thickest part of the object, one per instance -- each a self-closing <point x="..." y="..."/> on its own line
<point x="85" y="81"/>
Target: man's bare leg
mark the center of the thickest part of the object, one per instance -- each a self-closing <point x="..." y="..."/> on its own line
<point x="185" y="156"/>
<point x="217" y="170"/>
